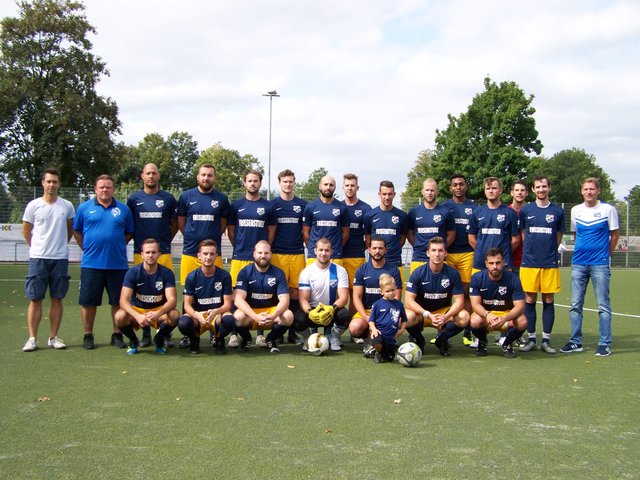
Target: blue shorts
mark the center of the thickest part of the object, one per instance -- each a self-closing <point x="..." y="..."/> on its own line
<point x="93" y="281"/>
<point x="46" y="272"/>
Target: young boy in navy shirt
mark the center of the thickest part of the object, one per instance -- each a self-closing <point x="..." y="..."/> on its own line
<point x="387" y="321"/>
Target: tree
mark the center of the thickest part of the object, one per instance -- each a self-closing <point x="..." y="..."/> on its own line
<point x="309" y="190"/>
<point x="50" y="113"/>
<point x="566" y="171"/>
<point x="230" y="168"/>
<point x="495" y="137"/>
<point x="634" y="196"/>
<point x="184" y="156"/>
<point x="415" y="178"/>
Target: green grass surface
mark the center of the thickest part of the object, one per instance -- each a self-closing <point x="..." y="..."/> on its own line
<point x="292" y="415"/>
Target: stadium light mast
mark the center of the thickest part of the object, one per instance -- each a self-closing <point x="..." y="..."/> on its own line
<point x="270" y="94"/>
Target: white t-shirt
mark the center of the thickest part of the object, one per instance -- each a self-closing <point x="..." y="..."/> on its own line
<point x="49" y="232"/>
<point x="319" y="283"/>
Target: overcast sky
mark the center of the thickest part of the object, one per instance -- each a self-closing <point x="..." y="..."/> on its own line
<point x="365" y="83"/>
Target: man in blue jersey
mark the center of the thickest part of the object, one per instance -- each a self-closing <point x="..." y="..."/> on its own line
<point x="435" y="298"/>
<point x="542" y="225"/>
<point x="427" y="221"/>
<point x="325" y="217"/>
<point x="251" y="219"/>
<point x="493" y="225"/>
<point x="460" y="252"/>
<point x="287" y="244"/>
<point x="353" y="252"/>
<point x="366" y="290"/>
<point x="497" y="300"/>
<point x="328" y="283"/>
<point x="596" y="230"/>
<point x="261" y="298"/>
<point x="202" y="213"/>
<point x="207" y="301"/>
<point x="388" y="222"/>
<point x="148" y="298"/>
<point x="102" y="227"/>
<point x="154" y="216"/>
<point x="518" y="199"/>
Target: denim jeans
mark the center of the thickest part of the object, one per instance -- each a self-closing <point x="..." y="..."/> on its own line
<point x="600" y="275"/>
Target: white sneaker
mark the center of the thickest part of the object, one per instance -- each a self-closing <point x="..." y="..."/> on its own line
<point x="474" y="344"/>
<point x="233" y="341"/>
<point x="334" y="343"/>
<point x="55" y="342"/>
<point x="261" y="341"/>
<point x="31" y="345"/>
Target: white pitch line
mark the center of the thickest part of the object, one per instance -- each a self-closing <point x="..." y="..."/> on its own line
<point x="596" y="310"/>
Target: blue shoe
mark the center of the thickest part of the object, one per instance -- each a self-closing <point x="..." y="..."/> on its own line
<point x="161" y="350"/>
<point x="132" y="350"/>
<point x="571" y="347"/>
<point x="603" y="351"/>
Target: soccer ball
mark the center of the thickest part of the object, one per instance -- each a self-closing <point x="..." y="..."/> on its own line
<point x="409" y="354"/>
<point x="317" y="344"/>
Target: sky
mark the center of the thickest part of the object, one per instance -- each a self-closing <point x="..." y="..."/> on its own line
<point x="364" y="84"/>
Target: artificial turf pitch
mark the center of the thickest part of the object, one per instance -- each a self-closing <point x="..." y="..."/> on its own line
<point x="102" y="414"/>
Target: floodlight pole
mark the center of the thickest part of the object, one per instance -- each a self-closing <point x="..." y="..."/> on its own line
<point x="270" y="94"/>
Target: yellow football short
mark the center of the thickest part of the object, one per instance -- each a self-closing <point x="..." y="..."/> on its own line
<point x="351" y="265"/>
<point x="188" y="264"/>
<point x="542" y="280"/>
<point x="463" y="263"/>
<point x="236" y="266"/>
<point x="291" y="265"/>
<point x="164" y="259"/>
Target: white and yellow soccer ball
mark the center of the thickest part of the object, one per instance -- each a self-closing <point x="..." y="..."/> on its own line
<point x="409" y="354"/>
<point x="317" y="344"/>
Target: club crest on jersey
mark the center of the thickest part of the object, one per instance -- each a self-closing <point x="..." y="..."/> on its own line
<point x="549" y="218"/>
<point x="214" y="203"/>
<point x="336" y="212"/>
<point x="217" y="286"/>
<point x="116" y="212"/>
<point x="395" y="219"/>
<point x="468" y="211"/>
<point x="357" y="213"/>
<point x="445" y="283"/>
<point x="297" y="209"/>
<point x="437" y="218"/>
<point x="395" y="315"/>
<point x="597" y="214"/>
<point x="260" y="211"/>
<point x="271" y="281"/>
<point x="333" y="283"/>
<point x="502" y="290"/>
<point x="159" y="203"/>
<point x="500" y="218"/>
<point x="159" y="285"/>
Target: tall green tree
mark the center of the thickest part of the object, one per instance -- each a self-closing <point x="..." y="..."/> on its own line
<point x="634" y="196"/>
<point x="496" y="136"/>
<point x="184" y="157"/>
<point x="309" y="189"/>
<point x="50" y="113"/>
<point x="566" y="171"/>
<point x="230" y="168"/>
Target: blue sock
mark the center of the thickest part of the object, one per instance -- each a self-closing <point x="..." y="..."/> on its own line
<point x="530" y="313"/>
<point x="548" y="317"/>
<point x="185" y="325"/>
<point x="130" y="333"/>
<point x="451" y="330"/>
<point x="512" y="335"/>
<point x="227" y="325"/>
<point x="480" y="334"/>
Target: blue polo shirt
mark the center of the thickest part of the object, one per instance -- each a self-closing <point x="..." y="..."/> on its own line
<point x="103" y="231"/>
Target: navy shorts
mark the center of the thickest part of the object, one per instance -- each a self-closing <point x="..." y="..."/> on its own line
<point x="46" y="272"/>
<point x="93" y="281"/>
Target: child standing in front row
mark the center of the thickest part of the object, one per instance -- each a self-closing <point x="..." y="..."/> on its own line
<point x="387" y="321"/>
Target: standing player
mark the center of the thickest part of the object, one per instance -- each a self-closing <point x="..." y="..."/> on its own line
<point x="497" y="300"/>
<point x="148" y="298"/>
<point x="202" y="214"/>
<point x="427" y="221"/>
<point x="102" y="228"/>
<point x="518" y="197"/>
<point x="287" y="243"/>
<point x="207" y="301"/>
<point x="435" y="298"/>
<point x="154" y="216"/>
<point x="325" y="217"/>
<point x="387" y="222"/>
<point x="460" y="252"/>
<point x="542" y="225"/>
<point x="595" y="226"/>
<point x="250" y="220"/>
<point x="46" y="227"/>
<point x="387" y="321"/>
<point x="366" y="290"/>
<point x="493" y="225"/>
<point x="353" y="252"/>
<point x="324" y="282"/>
<point x="261" y="298"/>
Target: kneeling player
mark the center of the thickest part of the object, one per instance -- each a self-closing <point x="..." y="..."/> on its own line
<point x="435" y="298"/>
<point x="148" y="298"/>
<point x="262" y="299"/>
<point x="387" y="321"/>
<point x="207" y="301"/>
<point x="497" y="301"/>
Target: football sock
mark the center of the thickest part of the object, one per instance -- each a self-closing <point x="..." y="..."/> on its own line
<point x="163" y="332"/>
<point x="546" y="337"/>
<point x="530" y="313"/>
<point x="130" y="333"/>
<point x="244" y="333"/>
<point x="451" y="330"/>
<point x="512" y="335"/>
<point x="416" y="333"/>
<point x="185" y="325"/>
<point x="277" y="331"/>
<point x="227" y="325"/>
<point x="532" y="337"/>
<point x="480" y="334"/>
<point x="548" y="316"/>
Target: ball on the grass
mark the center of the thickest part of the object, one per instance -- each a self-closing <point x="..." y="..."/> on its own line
<point x="409" y="354"/>
<point x="317" y="344"/>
